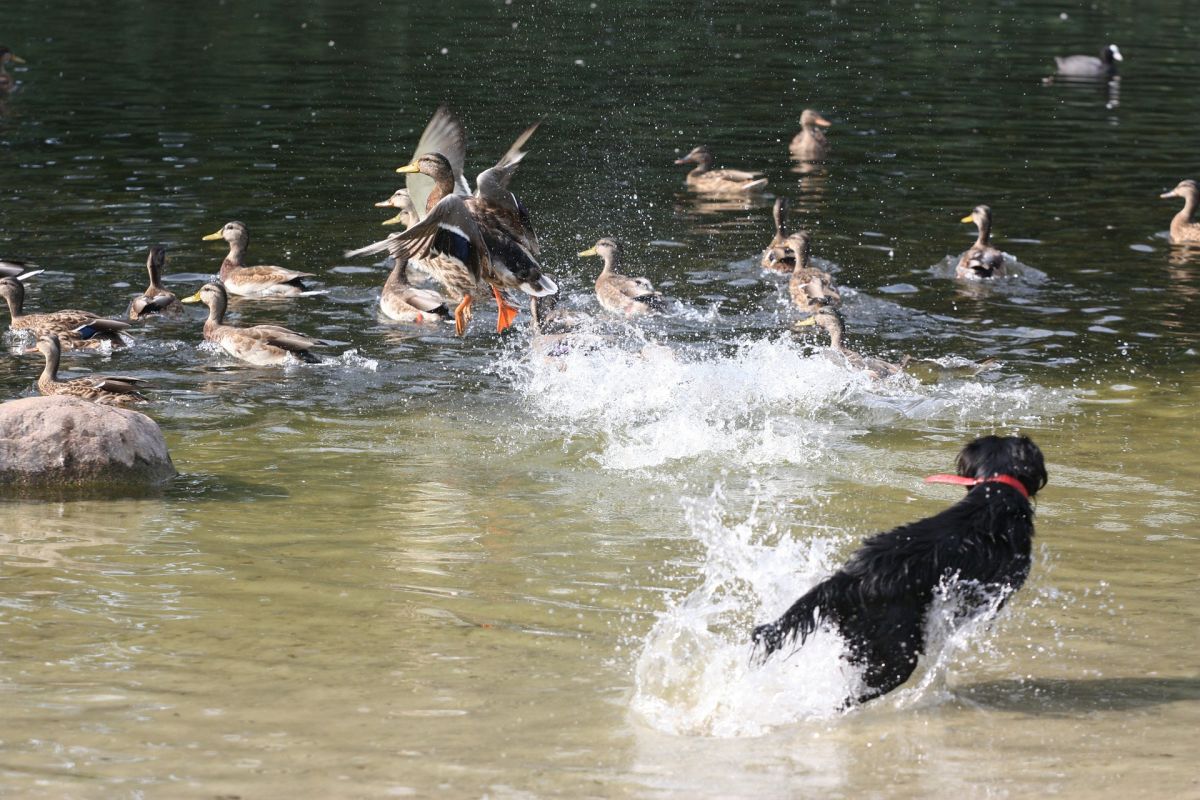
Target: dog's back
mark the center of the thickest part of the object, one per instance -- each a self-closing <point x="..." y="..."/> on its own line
<point x="879" y="600"/>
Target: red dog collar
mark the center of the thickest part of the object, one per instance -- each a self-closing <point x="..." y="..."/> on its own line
<point x="963" y="480"/>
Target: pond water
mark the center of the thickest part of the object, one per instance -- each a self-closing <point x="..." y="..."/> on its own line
<point x="442" y="566"/>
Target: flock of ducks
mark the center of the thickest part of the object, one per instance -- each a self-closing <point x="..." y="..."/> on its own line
<point x="468" y="240"/>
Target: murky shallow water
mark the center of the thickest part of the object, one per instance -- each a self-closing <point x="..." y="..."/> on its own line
<point x="434" y="566"/>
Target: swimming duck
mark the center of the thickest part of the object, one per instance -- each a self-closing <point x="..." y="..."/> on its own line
<point x="831" y="321"/>
<point x="406" y="303"/>
<point x="1183" y="229"/>
<point x="7" y="57"/>
<point x="810" y="143"/>
<point x="465" y="238"/>
<point x="258" y="344"/>
<point x="76" y="329"/>
<point x="406" y="215"/>
<point x="1089" y="66"/>
<point x="778" y="255"/>
<point x="156" y="299"/>
<point x="447" y="262"/>
<point x="406" y="209"/>
<point x="981" y="260"/>
<point x="618" y="293"/>
<point x="264" y="281"/>
<point x="108" y="391"/>
<point x="704" y="178"/>
<point x="809" y="287"/>
<point x="452" y="250"/>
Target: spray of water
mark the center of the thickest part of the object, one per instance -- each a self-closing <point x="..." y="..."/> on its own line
<point x="694" y="674"/>
<point x="752" y="402"/>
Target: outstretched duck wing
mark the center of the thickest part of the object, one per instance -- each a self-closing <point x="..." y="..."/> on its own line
<point x="492" y="184"/>
<point x="448" y="230"/>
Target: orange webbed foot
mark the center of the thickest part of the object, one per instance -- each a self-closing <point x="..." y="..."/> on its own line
<point x="507" y="313"/>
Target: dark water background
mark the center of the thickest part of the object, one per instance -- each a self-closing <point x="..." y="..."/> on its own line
<point x="387" y="505"/>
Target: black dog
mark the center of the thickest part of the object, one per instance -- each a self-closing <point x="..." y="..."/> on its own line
<point x="879" y="600"/>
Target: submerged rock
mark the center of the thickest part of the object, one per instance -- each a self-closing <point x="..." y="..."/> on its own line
<point x="64" y="443"/>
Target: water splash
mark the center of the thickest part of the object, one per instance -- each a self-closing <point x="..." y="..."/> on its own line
<point x="694" y="674"/>
<point x="755" y="402"/>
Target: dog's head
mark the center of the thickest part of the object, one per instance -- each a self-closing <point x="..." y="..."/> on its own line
<point x="1017" y="456"/>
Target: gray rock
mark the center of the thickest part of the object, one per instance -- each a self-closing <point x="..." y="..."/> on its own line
<point x="65" y="443"/>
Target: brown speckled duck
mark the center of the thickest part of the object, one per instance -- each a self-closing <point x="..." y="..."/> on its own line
<point x="778" y="256"/>
<point x="406" y="303"/>
<point x="457" y="269"/>
<point x="831" y="321"/>
<point x="265" y="345"/>
<point x="156" y="299"/>
<point x="810" y="288"/>
<point x="1183" y="229"/>
<point x="406" y="209"/>
<point x="76" y="330"/>
<point x="263" y="281"/>
<point x="618" y="293"/>
<point x="981" y="260"/>
<point x="108" y="391"/>
<point x="704" y="178"/>
<point x="464" y="238"/>
<point x="810" y="144"/>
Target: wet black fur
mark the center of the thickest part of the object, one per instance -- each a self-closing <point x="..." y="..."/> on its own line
<point x="879" y="599"/>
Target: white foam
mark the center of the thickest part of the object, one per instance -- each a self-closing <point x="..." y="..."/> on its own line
<point x="765" y="401"/>
<point x="694" y="675"/>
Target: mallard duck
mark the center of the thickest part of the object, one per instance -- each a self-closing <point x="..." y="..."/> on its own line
<point x="618" y="293"/>
<point x="108" y="391"/>
<point x="461" y="238"/>
<point x="7" y="57"/>
<point x="76" y="329"/>
<point x="405" y="303"/>
<point x="156" y="299"/>
<point x="459" y="276"/>
<point x="778" y="255"/>
<point x="719" y="181"/>
<point x="16" y="268"/>
<point x="258" y="344"/>
<point x="835" y="326"/>
<point x="406" y="215"/>
<point x="265" y="281"/>
<point x="809" y="287"/>
<point x="981" y="260"/>
<point x="402" y="201"/>
<point x="1183" y="229"/>
<point x="1089" y="66"/>
<point x="810" y="143"/>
